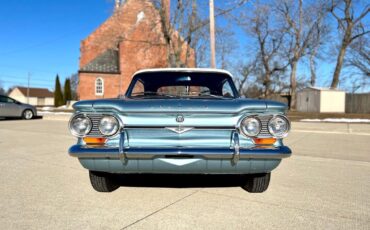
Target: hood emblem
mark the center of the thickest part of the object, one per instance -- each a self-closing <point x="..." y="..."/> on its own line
<point x="180" y="118"/>
<point x="179" y="130"/>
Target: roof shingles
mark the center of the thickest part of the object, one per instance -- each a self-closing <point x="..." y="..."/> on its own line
<point x="36" y="92"/>
<point x="107" y="62"/>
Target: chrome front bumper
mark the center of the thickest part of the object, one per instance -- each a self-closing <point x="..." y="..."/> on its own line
<point x="234" y="152"/>
<point x="81" y="151"/>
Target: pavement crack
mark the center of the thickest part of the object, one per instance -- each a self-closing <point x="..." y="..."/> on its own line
<point x="158" y="210"/>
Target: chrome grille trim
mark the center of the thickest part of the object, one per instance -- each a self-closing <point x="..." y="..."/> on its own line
<point x="95" y="119"/>
<point x="264" y="129"/>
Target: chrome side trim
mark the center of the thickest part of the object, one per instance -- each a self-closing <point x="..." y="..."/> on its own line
<point x="81" y="151"/>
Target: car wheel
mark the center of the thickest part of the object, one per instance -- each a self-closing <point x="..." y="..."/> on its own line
<point x="27" y="114"/>
<point x="257" y="183"/>
<point x="102" y="182"/>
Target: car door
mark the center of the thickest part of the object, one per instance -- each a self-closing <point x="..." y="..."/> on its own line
<point x="10" y="108"/>
<point x="2" y="106"/>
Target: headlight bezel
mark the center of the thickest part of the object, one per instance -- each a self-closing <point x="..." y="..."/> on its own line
<point x="118" y="122"/>
<point x="286" y="132"/>
<point x="73" y="132"/>
<point x="242" y="127"/>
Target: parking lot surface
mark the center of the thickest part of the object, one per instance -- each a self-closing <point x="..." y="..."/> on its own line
<point x="324" y="185"/>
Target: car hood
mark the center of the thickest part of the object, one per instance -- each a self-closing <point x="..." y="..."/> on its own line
<point x="229" y="106"/>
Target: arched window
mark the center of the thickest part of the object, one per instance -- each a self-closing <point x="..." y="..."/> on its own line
<point x="99" y="86"/>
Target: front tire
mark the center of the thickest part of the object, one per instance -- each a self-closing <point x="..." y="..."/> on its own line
<point x="102" y="182"/>
<point x="257" y="183"/>
<point x="27" y="114"/>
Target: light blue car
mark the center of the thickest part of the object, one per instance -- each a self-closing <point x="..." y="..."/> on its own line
<point x="180" y="121"/>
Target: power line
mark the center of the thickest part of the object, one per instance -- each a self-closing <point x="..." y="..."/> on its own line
<point x="27" y="69"/>
<point x="31" y="84"/>
<point x="17" y="78"/>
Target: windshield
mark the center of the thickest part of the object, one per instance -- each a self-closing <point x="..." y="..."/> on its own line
<point x="182" y="85"/>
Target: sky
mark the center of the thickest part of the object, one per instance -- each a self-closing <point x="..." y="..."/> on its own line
<point x="41" y="38"/>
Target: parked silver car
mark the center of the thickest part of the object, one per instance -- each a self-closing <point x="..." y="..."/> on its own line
<point x="13" y="108"/>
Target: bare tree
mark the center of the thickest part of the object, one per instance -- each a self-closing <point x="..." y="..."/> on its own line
<point x="300" y="24"/>
<point x="246" y="71"/>
<point x="351" y="28"/>
<point x="269" y="36"/>
<point x="74" y="85"/>
<point x="179" y="31"/>
<point x="186" y="26"/>
<point x="318" y="39"/>
<point x="359" y="56"/>
<point x="225" y="47"/>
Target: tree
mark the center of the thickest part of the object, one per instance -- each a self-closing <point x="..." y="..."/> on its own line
<point x="74" y="85"/>
<point x="359" y="56"/>
<point x="247" y="70"/>
<point x="351" y="28"/>
<point x="319" y="37"/>
<point x="58" y="95"/>
<point x="178" y="31"/>
<point x="187" y="26"/>
<point x="67" y="91"/>
<point x="300" y="25"/>
<point x="269" y="37"/>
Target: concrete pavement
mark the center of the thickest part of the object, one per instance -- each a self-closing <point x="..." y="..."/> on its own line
<point x="324" y="185"/>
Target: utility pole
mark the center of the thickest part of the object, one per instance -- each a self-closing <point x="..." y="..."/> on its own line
<point x="28" y="88"/>
<point x="212" y="33"/>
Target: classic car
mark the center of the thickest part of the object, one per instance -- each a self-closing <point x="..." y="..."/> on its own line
<point x="13" y="108"/>
<point x="180" y="121"/>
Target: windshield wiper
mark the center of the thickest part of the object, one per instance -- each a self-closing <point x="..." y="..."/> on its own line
<point x="213" y="95"/>
<point x="151" y="94"/>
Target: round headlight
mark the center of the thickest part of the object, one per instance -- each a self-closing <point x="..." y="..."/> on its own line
<point x="250" y="126"/>
<point x="108" y="125"/>
<point x="80" y="125"/>
<point x="279" y="126"/>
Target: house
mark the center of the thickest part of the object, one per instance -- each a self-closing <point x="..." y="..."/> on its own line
<point x="321" y="100"/>
<point x="130" y="40"/>
<point x="33" y="96"/>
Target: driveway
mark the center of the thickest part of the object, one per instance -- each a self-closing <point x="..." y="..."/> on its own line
<point x="325" y="184"/>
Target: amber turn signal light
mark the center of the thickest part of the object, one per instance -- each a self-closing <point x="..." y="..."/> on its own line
<point x="95" y="140"/>
<point x="264" y="141"/>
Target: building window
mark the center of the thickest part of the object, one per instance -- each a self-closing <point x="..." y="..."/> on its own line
<point x="99" y="86"/>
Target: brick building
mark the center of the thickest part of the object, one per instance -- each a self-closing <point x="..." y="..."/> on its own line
<point x="130" y="40"/>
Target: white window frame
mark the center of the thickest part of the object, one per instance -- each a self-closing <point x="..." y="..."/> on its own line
<point x="96" y="86"/>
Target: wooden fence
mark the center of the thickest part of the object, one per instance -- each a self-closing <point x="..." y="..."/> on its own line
<point x="358" y="103"/>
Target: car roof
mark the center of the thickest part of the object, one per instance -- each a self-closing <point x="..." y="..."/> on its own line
<point x="185" y="70"/>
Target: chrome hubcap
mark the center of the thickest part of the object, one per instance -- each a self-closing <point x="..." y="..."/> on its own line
<point x="28" y="114"/>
